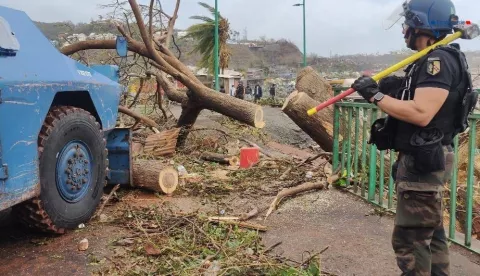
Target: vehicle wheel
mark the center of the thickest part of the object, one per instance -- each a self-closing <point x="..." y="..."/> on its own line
<point x="72" y="167"/>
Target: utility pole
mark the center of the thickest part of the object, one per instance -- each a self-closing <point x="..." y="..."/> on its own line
<point x="304" y="38"/>
<point x="304" y="34"/>
<point x="216" y="50"/>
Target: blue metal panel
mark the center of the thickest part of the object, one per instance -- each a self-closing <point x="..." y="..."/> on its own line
<point x="111" y="71"/>
<point x="28" y="84"/>
<point x="119" y="156"/>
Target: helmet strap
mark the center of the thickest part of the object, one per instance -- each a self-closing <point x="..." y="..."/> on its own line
<point x="413" y="38"/>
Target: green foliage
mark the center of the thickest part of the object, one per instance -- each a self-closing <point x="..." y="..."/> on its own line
<point x="191" y="245"/>
<point x="204" y="35"/>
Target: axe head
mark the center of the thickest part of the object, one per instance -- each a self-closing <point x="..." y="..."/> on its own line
<point x="469" y="31"/>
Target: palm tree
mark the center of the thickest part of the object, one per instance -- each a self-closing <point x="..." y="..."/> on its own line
<point x="204" y="34"/>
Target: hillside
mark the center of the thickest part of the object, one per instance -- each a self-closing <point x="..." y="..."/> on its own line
<point x="266" y="55"/>
<point x="281" y="52"/>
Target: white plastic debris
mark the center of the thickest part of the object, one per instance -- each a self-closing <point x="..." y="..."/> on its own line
<point x="309" y="174"/>
<point x="181" y="170"/>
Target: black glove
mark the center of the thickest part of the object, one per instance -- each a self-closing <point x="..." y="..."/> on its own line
<point x="366" y="86"/>
<point x="390" y="85"/>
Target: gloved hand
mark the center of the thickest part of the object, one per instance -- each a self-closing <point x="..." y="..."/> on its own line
<point x="366" y="87"/>
<point x="390" y="85"/>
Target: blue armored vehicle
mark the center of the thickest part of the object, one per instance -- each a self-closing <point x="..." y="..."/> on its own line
<point x="57" y="119"/>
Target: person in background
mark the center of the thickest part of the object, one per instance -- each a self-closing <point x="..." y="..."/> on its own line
<point x="248" y="92"/>
<point x="232" y="90"/>
<point x="240" y="92"/>
<point x="257" y="93"/>
<point x="272" y="91"/>
<point x="222" y="89"/>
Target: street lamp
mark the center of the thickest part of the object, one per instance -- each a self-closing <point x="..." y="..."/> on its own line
<point x="216" y="50"/>
<point x="304" y="35"/>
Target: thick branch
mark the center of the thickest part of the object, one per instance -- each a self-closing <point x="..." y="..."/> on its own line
<point x="171" y="24"/>
<point x="137" y="116"/>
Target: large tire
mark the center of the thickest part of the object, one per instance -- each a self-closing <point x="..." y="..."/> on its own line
<point x="72" y="167"/>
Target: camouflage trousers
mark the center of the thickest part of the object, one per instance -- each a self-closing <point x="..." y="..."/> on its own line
<point x="419" y="238"/>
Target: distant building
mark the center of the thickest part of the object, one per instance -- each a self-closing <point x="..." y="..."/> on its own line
<point x="227" y="78"/>
<point x="181" y="34"/>
<point x="255" y="76"/>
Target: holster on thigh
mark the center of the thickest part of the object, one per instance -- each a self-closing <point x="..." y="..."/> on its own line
<point x="419" y="204"/>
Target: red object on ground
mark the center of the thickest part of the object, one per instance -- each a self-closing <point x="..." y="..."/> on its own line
<point x="248" y="157"/>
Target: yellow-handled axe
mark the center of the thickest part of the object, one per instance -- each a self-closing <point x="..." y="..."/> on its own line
<point x="464" y="31"/>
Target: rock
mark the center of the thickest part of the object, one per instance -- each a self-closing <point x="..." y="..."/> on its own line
<point x="83" y="245"/>
<point x="103" y="218"/>
<point x="81" y="226"/>
<point x="151" y="249"/>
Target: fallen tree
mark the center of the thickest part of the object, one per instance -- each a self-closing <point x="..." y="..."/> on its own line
<point x="198" y="96"/>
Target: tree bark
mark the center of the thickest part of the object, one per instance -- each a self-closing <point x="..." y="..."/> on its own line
<point x="155" y="176"/>
<point x="314" y="85"/>
<point x="319" y="126"/>
<point x="163" y="143"/>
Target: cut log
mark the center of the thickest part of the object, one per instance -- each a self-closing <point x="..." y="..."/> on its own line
<point x="220" y="158"/>
<point x="314" y="85"/>
<point x="163" y="143"/>
<point x="319" y="126"/>
<point x="293" y="191"/>
<point x="155" y="176"/>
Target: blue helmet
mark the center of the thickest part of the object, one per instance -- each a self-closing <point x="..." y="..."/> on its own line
<point x="433" y="16"/>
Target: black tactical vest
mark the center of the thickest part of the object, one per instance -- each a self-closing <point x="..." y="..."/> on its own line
<point x="451" y="118"/>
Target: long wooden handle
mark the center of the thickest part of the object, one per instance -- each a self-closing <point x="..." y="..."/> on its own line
<point x="387" y="71"/>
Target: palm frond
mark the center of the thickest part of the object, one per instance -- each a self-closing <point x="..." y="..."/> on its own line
<point x="203" y="18"/>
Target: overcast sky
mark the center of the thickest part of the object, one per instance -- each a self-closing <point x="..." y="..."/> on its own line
<point x="333" y="27"/>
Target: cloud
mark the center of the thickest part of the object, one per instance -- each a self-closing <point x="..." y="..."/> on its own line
<point x="333" y="27"/>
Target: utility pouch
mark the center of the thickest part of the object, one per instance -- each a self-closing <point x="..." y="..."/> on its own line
<point x="419" y="205"/>
<point x="427" y="150"/>
<point x="468" y="104"/>
<point x="381" y="134"/>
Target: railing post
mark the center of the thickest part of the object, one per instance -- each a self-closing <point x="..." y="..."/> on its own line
<point x="390" y="181"/>
<point x="364" y="152"/>
<point x="336" y="131"/>
<point x="349" y="143"/>
<point x="453" y="191"/>
<point x="470" y="176"/>
<point x="373" y="164"/>
<point x="355" y="160"/>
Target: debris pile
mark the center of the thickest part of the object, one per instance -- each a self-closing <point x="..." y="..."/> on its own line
<point x="165" y="242"/>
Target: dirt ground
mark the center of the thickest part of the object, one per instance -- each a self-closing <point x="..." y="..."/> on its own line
<point x="358" y="241"/>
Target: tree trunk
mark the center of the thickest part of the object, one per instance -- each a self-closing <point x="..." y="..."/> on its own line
<point x="319" y="126"/>
<point x="314" y="85"/>
<point x="155" y="176"/>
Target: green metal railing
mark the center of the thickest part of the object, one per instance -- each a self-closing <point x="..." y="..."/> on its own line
<point x="367" y="171"/>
